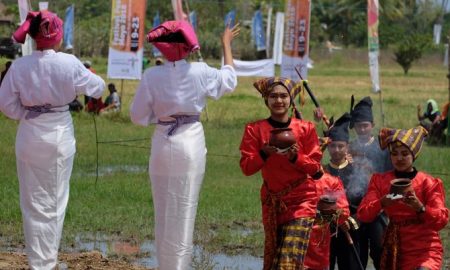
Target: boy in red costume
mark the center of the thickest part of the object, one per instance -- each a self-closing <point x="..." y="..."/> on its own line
<point x="288" y="193"/>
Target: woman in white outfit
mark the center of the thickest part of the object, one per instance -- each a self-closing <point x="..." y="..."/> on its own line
<point x="36" y="91"/>
<point x="172" y="96"/>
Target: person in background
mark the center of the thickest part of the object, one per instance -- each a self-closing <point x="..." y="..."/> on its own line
<point x="75" y="105"/>
<point x="172" y="96"/>
<point x="416" y="215"/>
<point x="88" y="65"/>
<point x="36" y="91"/>
<point x="159" y="61"/>
<point x="7" y="65"/>
<point x="112" y="102"/>
<point x="367" y="158"/>
<point x="94" y="105"/>
<point x="288" y="193"/>
<point x="433" y="121"/>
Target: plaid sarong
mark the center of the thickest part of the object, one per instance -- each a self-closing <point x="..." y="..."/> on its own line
<point x="390" y="257"/>
<point x="293" y="243"/>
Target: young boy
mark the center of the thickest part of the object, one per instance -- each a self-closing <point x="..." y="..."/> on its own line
<point x="288" y="193"/>
<point x="339" y="166"/>
<point x="367" y="158"/>
<point x="318" y="254"/>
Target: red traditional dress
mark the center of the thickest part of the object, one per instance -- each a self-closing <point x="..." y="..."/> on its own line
<point x="287" y="192"/>
<point x="418" y="233"/>
<point x="318" y="254"/>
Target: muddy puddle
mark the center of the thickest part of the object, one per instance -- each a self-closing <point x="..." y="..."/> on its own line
<point x="144" y="254"/>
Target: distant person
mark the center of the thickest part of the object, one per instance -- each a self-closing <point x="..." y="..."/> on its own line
<point x="159" y="61"/>
<point x="94" y="105"/>
<point x="288" y="192"/>
<point x="36" y="91"/>
<point x="112" y="102"/>
<point x="7" y="65"/>
<point x="75" y="105"/>
<point x="416" y="214"/>
<point x="367" y="158"/>
<point x="145" y="63"/>
<point x="88" y="65"/>
<point x="432" y="121"/>
<point x="172" y="96"/>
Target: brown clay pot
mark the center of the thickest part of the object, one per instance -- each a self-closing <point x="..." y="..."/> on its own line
<point x="327" y="205"/>
<point x="400" y="186"/>
<point x="282" y="138"/>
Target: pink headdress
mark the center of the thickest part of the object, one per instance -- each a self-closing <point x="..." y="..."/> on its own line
<point x="175" y="39"/>
<point x="50" y="29"/>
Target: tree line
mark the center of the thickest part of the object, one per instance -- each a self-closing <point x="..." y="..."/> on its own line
<point x="406" y="26"/>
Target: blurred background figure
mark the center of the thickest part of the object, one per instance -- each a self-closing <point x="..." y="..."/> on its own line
<point x="7" y="65"/>
<point x="112" y="102"/>
<point x="159" y="61"/>
<point x="432" y="121"/>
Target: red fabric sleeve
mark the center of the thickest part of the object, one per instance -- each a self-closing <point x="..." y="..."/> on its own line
<point x="370" y="205"/>
<point x="309" y="154"/>
<point x="436" y="214"/>
<point x="251" y="161"/>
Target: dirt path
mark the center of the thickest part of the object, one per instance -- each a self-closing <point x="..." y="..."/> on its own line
<point x="78" y="261"/>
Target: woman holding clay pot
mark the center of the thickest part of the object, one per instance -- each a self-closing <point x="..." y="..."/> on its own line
<point x="288" y="193"/>
<point x="412" y="239"/>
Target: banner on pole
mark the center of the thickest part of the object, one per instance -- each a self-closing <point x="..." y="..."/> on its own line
<point x="258" y="31"/>
<point x="156" y="22"/>
<point x="126" y="44"/>
<point x="68" y="28"/>
<point x="230" y="17"/>
<point x="178" y="12"/>
<point x="24" y="7"/>
<point x="278" y="38"/>
<point x="372" y="21"/>
<point x="43" y="5"/>
<point x="296" y="39"/>
<point x="193" y="19"/>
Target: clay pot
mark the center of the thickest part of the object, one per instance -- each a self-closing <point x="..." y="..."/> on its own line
<point x="327" y="205"/>
<point x="282" y="138"/>
<point x="400" y="186"/>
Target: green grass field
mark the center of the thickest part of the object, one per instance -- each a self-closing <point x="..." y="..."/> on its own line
<point x="119" y="203"/>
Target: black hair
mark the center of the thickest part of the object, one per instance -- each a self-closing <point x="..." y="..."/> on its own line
<point x="35" y="26"/>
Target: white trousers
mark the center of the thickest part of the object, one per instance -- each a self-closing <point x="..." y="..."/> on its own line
<point x="45" y="149"/>
<point x="177" y="167"/>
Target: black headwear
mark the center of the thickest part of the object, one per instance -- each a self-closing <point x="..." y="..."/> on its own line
<point x="362" y="112"/>
<point x="339" y="130"/>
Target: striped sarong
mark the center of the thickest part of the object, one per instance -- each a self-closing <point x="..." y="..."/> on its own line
<point x="293" y="239"/>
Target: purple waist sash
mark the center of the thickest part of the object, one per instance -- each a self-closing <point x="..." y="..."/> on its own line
<point x="35" y="111"/>
<point x="178" y="121"/>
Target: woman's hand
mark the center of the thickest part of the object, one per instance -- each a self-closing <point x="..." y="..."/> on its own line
<point x="230" y="33"/>
<point x="268" y="149"/>
<point x="386" y="201"/>
<point x="292" y="152"/>
<point x="412" y="201"/>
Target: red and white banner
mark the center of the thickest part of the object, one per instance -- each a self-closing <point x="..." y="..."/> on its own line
<point x="372" y="24"/>
<point x="178" y="12"/>
<point x="126" y="44"/>
<point x="24" y="7"/>
<point x="296" y="38"/>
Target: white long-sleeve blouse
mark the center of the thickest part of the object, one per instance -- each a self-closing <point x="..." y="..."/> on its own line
<point x="179" y="88"/>
<point x="46" y="77"/>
